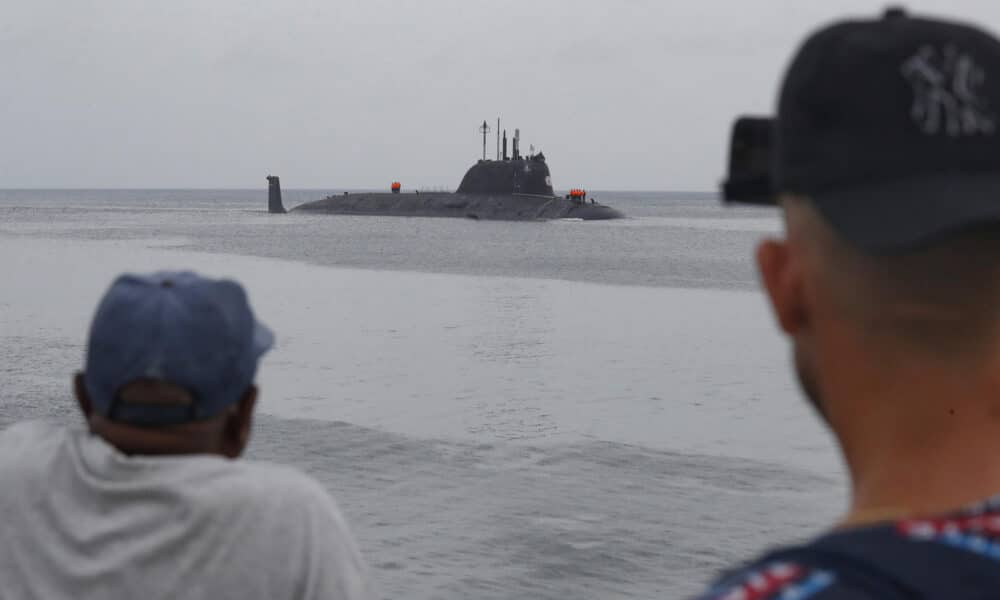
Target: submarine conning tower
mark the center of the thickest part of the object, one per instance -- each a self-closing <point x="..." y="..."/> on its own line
<point x="516" y="174"/>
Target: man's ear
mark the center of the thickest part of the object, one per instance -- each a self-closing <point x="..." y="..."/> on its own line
<point x="82" y="398"/>
<point x="236" y="432"/>
<point x="782" y="278"/>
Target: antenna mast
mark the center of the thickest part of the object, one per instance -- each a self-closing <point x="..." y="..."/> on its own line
<point x="485" y="129"/>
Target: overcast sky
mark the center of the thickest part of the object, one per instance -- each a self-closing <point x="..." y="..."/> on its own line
<point x="626" y="94"/>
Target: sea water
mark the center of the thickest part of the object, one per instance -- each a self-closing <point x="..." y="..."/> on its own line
<point x="531" y="410"/>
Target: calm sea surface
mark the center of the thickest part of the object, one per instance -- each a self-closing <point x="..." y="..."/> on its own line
<point x="531" y="410"/>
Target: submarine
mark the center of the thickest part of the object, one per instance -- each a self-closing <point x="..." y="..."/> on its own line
<point x="509" y="188"/>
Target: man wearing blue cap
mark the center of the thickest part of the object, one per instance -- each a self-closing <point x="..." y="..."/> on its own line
<point x="886" y="165"/>
<point x="149" y="502"/>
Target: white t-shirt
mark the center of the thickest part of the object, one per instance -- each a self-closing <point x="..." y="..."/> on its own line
<point x="79" y="519"/>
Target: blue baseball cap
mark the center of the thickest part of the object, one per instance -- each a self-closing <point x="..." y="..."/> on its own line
<point x="178" y="327"/>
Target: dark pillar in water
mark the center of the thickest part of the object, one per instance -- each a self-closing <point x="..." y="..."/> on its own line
<point x="274" y="204"/>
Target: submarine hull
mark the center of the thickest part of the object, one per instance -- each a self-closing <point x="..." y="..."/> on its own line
<point x="499" y="207"/>
<point x="512" y="189"/>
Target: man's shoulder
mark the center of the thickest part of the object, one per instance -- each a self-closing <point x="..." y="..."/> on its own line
<point x="789" y="576"/>
<point x="29" y="439"/>
<point x="884" y="561"/>
<point x="827" y="568"/>
<point x="31" y="430"/>
<point x="281" y="491"/>
<point x="31" y="448"/>
<point x="272" y="480"/>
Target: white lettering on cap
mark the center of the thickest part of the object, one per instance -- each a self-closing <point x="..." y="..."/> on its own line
<point x="945" y="93"/>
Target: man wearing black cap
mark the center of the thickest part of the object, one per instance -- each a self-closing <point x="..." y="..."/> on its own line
<point x="147" y="501"/>
<point x="886" y="163"/>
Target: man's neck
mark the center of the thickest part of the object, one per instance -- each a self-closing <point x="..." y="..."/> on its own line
<point x="919" y="441"/>
<point x="200" y="438"/>
<point x="948" y="475"/>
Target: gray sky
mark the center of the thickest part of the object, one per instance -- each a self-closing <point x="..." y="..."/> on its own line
<point x="627" y="94"/>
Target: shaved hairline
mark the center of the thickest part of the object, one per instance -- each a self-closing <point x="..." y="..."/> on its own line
<point x="944" y="298"/>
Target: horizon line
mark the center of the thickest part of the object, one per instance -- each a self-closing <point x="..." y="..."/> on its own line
<point x="264" y="189"/>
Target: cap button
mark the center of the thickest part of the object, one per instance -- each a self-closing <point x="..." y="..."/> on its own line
<point x="894" y="12"/>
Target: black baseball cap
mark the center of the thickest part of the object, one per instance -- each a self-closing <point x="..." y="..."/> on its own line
<point x="892" y="128"/>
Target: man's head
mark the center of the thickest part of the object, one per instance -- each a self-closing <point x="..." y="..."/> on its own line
<point x="171" y="360"/>
<point x="841" y="306"/>
<point x="885" y="156"/>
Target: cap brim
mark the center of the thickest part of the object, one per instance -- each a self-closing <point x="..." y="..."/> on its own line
<point x="263" y="339"/>
<point x="902" y="216"/>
